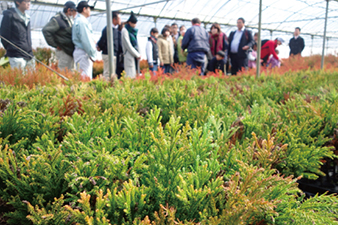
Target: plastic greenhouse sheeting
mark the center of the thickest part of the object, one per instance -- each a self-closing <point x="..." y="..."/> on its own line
<point x="279" y="18"/>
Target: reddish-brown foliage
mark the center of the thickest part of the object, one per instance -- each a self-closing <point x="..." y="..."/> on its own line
<point x="298" y="63"/>
<point x="97" y="68"/>
<point x="70" y="106"/>
<point x="143" y="64"/>
<point x="41" y="75"/>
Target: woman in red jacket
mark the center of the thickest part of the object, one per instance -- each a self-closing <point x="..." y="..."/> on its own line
<point x="268" y="48"/>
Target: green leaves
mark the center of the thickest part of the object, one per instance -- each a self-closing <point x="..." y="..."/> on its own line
<point x="181" y="152"/>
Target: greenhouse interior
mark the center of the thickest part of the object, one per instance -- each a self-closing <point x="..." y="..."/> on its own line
<point x="279" y="18"/>
<point x="219" y="112"/>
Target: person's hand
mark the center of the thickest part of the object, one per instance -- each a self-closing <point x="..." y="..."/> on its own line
<point x="245" y="48"/>
<point x="261" y="60"/>
<point x="151" y="66"/>
<point x="58" y="48"/>
<point x="172" y="64"/>
<point x="138" y="58"/>
<point x="280" y="60"/>
<point x="161" y="64"/>
<point x="98" y="48"/>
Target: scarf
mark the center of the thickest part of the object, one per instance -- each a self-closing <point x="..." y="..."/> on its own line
<point x="132" y="35"/>
<point x="153" y="39"/>
<point x="219" y="47"/>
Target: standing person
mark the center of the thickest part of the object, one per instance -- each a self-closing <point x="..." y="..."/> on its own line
<point x="175" y="35"/>
<point x="58" y="34"/>
<point x="85" y="52"/>
<point x="165" y="51"/>
<point x="269" y="48"/>
<point x="182" y="55"/>
<point x="239" y="43"/>
<point x="130" y="47"/>
<point x="170" y="38"/>
<point x="120" y="58"/>
<point x="102" y="44"/>
<point x="218" y="40"/>
<point x="152" y="50"/>
<point x="16" y="28"/>
<point x="296" y="43"/>
<point x="174" y="31"/>
<point x="196" y="40"/>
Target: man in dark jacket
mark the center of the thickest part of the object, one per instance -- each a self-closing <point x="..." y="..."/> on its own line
<point x="15" y="27"/>
<point x="240" y="41"/>
<point x="296" y="43"/>
<point x="196" y="40"/>
<point x="58" y="34"/>
<point x="102" y="44"/>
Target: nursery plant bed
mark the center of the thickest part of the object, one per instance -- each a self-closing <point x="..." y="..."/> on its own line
<point x="178" y="149"/>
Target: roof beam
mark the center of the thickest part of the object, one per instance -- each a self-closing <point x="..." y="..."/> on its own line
<point x="184" y="19"/>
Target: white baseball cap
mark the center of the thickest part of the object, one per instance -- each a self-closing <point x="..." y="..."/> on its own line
<point x="280" y="39"/>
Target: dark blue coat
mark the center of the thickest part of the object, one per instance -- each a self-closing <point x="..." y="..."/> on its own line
<point x="103" y="43"/>
<point x="196" y="39"/>
<point x="296" y="45"/>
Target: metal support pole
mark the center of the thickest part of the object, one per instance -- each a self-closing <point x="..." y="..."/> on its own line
<point x="312" y="37"/>
<point x="324" y="38"/>
<point x="155" y="21"/>
<point x="110" y="39"/>
<point x="259" y="44"/>
<point x="271" y="34"/>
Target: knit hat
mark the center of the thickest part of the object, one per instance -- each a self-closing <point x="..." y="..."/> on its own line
<point x="221" y="53"/>
<point x="132" y="18"/>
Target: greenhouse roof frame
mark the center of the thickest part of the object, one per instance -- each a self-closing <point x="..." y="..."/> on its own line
<point x="123" y="10"/>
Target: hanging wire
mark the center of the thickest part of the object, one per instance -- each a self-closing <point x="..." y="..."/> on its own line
<point x="26" y="53"/>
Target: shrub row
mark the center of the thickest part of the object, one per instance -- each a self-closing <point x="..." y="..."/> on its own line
<point x="168" y="151"/>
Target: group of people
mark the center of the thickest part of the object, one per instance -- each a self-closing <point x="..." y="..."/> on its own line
<point x="214" y="51"/>
<point x="71" y="34"/>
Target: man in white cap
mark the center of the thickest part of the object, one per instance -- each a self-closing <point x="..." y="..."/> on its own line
<point x="269" y="48"/>
<point x="58" y="34"/>
<point x="83" y="38"/>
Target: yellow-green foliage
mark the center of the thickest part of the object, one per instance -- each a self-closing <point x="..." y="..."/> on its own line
<point x="203" y="151"/>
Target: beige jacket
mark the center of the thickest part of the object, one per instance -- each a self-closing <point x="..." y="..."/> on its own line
<point x="165" y="50"/>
